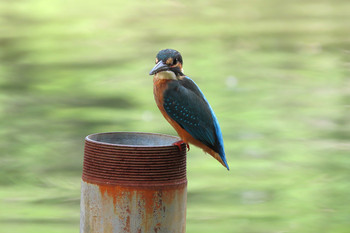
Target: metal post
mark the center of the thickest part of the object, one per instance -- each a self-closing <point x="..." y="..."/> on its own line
<point x="133" y="182"/>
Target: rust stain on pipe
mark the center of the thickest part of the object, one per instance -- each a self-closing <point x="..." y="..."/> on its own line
<point x="133" y="182"/>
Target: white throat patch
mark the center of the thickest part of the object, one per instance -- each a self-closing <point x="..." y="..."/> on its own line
<point x="166" y="75"/>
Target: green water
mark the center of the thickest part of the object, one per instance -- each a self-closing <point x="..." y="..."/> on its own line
<point x="275" y="72"/>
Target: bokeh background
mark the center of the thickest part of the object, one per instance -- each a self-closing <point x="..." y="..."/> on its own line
<point x="275" y="72"/>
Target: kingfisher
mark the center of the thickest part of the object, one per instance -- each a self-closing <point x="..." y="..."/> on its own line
<point x="185" y="107"/>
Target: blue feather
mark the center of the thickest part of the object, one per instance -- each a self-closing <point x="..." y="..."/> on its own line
<point x="216" y="125"/>
<point x="196" y="115"/>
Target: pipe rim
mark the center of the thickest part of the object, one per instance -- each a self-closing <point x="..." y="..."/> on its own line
<point x="89" y="139"/>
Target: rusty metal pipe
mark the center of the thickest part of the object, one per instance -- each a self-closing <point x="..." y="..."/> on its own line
<point x="133" y="182"/>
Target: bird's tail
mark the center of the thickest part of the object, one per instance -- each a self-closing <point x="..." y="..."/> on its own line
<point x="220" y="158"/>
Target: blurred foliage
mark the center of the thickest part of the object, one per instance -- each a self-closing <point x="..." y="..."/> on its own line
<point x="275" y="72"/>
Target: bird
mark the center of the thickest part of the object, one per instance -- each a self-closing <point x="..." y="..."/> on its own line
<point x="185" y="107"/>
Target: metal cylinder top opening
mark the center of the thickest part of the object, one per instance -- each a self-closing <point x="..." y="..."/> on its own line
<point x="133" y="139"/>
<point x="132" y="158"/>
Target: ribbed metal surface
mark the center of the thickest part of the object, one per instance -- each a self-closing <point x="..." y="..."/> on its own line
<point x="133" y="182"/>
<point x="109" y="160"/>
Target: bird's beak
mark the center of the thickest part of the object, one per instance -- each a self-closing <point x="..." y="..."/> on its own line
<point x="160" y="66"/>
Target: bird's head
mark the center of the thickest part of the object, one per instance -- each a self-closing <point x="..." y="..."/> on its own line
<point x="168" y="60"/>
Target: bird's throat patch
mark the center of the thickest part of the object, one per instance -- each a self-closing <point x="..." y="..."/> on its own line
<point x="166" y="75"/>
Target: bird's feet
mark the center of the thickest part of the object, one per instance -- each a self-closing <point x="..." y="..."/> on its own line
<point x="179" y="143"/>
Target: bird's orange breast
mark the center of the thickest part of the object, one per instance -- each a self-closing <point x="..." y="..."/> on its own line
<point x="159" y="86"/>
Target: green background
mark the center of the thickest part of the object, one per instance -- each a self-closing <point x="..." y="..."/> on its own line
<point x="275" y="72"/>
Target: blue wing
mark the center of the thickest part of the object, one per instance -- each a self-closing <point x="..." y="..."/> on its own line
<point x="185" y="103"/>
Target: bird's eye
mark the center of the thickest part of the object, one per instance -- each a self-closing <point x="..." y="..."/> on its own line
<point x="175" y="61"/>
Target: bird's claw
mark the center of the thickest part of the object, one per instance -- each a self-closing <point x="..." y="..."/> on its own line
<point x="179" y="143"/>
